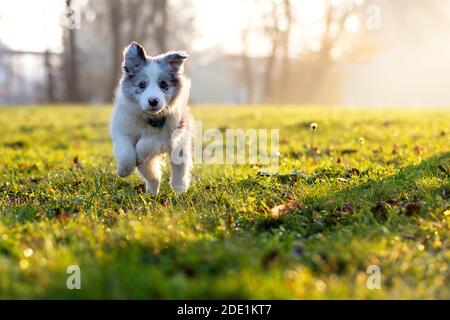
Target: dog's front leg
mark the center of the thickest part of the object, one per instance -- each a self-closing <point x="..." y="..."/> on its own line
<point x="149" y="164"/>
<point x="181" y="164"/>
<point x="150" y="171"/>
<point x="125" y="155"/>
<point x="146" y="147"/>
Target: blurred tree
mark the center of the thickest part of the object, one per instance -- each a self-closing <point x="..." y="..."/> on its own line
<point x="247" y="69"/>
<point x="334" y="19"/>
<point x="50" y="79"/>
<point x="70" y="62"/>
<point x="161" y="23"/>
<point x="282" y="65"/>
<point x="278" y="31"/>
<point x="157" y="24"/>
<point x="273" y="33"/>
<point x="116" y="18"/>
<point x="153" y="23"/>
<point x="285" y="74"/>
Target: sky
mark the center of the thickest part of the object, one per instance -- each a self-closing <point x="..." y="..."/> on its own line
<point x="31" y="25"/>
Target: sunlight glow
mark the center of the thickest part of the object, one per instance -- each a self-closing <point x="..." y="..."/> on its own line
<point x="352" y="24"/>
<point x="31" y="25"/>
<point x="36" y="25"/>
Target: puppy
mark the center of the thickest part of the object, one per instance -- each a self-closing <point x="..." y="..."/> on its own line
<point x="151" y="117"/>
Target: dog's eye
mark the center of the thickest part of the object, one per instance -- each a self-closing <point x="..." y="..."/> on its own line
<point x="142" y="84"/>
<point x="163" y="85"/>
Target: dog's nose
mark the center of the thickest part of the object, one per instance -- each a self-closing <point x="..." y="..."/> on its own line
<point x="153" y="102"/>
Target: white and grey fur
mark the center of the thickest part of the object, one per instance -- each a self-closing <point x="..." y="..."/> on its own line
<point x="153" y="88"/>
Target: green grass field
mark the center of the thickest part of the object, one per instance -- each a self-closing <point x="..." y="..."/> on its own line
<point x="385" y="202"/>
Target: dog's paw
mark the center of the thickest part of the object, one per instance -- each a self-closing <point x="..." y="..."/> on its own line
<point x="124" y="170"/>
<point x="152" y="188"/>
<point x="179" y="188"/>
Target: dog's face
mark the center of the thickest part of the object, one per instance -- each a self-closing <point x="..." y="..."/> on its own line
<point x="152" y="82"/>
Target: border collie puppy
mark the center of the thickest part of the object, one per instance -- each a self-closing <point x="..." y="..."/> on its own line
<point x="151" y="117"/>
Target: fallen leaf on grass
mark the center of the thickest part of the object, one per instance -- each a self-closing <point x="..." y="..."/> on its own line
<point x="348" y="207"/>
<point x="380" y="208"/>
<point x="356" y="172"/>
<point x="167" y="202"/>
<point x="230" y="219"/>
<point x="63" y="215"/>
<point x="352" y="172"/>
<point x="139" y="187"/>
<point x="269" y="258"/>
<point x="76" y="183"/>
<point x="209" y="187"/>
<point x="396" y="148"/>
<point x="188" y="272"/>
<point x="36" y="180"/>
<point x="284" y="209"/>
<point x="76" y="162"/>
<point x="443" y="169"/>
<point x="349" y="151"/>
<point x="15" y="145"/>
<point x="377" y="151"/>
<point x="413" y="209"/>
<point x="419" y="149"/>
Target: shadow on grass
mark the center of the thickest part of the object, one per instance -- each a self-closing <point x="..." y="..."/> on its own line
<point x="372" y="201"/>
<point x="264" y="246"/>
<point x="271" y="245"/>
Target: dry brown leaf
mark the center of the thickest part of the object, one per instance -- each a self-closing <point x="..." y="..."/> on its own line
<point x="413" y="209"/>
<point x="380" y="208"/>
<point x="269" y="258"/>
<point x="285" y="208"/>
<point x="443" y="169"/>
<point x="140" y="187"/>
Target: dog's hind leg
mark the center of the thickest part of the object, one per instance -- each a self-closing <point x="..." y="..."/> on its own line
<point x="150" y="171"/>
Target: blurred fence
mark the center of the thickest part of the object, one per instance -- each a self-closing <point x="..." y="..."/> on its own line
<point x="29" y="77"/>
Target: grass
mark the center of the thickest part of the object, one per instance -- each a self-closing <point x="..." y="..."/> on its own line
<point x="385" y="202"/>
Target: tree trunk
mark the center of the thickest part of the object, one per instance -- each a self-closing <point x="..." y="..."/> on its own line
<point x="115" y="23"/>
<point x="161" y="6"/>
<point x="274" y="32"/>
<point x="282" y="90"/>
<point x="71" y="65"/>
<point x="50" y="79"/>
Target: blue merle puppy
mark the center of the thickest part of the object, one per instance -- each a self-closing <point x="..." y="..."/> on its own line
<point x="151" y="118"/>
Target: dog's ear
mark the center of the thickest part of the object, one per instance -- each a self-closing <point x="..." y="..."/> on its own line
<point x="134" y="57"/>
<point x="174" y="61"/>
